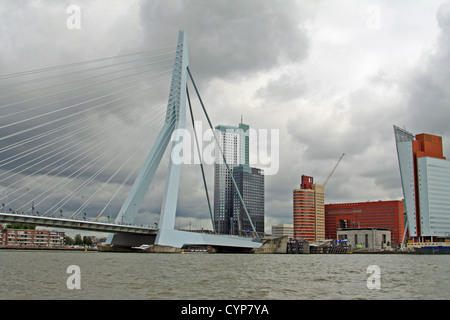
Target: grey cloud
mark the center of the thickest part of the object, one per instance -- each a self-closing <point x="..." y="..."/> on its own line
<point x="429" y="101"/>
<point x="230" y="37"/>
<point x="283" y="89"/>
<point x="443" y="17"/>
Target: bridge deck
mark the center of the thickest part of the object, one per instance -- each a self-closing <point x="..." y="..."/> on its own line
<point x="75" y="224"/>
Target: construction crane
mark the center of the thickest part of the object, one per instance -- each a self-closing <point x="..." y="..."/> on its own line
<point x="332" y="171"/>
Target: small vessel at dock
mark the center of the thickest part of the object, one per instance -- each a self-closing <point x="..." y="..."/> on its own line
<point x="433" y="249"/>
<point x="141" y="247"/>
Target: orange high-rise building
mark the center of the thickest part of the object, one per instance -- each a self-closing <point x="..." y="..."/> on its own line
<point x="309" y="221"/>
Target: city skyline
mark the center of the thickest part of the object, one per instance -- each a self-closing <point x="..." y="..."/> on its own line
<point x="332" y="78"/>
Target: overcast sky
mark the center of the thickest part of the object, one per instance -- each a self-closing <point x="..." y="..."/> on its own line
<point x="332" y="76"/>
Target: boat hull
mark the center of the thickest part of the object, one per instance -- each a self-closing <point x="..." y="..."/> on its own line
<point x="433" y="250"/>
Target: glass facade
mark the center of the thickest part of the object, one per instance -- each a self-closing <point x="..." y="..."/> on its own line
<point x="434" y="196"/>
<point x="250" y="183"/>
<point x="425" y="176"/>
<point x="229" y="214"/>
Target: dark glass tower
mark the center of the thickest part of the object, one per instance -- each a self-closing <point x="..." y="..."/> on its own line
<point x="229" y="213"/>
<point x="250" y="182"/>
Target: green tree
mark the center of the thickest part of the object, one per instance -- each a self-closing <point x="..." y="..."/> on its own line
<point x="20" y="226"/>
<point x="78" y="241"/>
<point x="68" y="241"/>
<point x="87" y="241"/>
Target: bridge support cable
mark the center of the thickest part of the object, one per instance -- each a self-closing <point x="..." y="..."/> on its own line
<point x="125" y="181"/>
<point x="79" y="210"/>
<point x="81" y="63"/>
<point x="58" y="139"/>
<point x="58" y="143"/>
<point x="92" y="178"/>
<point x="86" y="183"/>
<point x="80" y="127"/>
<point x="88" y="147"/>
<point x="73" y="128"/>
<point x="201" y="160"/>
<point x="148" y="170"/>
<point x="124" y="80"/>
<point x="130" y="157"/>
<point x="128" y="95"/>
<point x="151" y="163"/>
<point x="223" y="155"/>
<point x="84" y="86"/>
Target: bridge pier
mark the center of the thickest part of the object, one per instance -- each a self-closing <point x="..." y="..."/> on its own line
<point x="151" y="249"/>
<point x="128" y="240"/>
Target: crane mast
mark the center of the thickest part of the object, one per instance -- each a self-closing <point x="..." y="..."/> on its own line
<point x="332" y="171"/>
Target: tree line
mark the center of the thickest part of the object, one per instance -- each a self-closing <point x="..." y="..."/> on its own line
<point x="77" y="241"/>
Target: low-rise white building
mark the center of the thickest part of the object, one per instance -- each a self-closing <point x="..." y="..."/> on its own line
<point x="280" y="230"/>
<point x="373" y="239"/>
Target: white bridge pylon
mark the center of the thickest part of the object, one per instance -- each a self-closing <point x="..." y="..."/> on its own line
<point x="175" y="119"/>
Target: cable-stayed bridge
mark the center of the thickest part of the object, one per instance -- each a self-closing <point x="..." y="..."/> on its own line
<point x="74" y="140"/>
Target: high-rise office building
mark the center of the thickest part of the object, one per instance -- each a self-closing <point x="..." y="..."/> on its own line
<point x="319" y="199"/>
<point x="309" y="215"/>
<point x="234" y="144"/>
<point x="425" y="177"/>
<point x="250" y="183"/>
<point x="229" y="214"/>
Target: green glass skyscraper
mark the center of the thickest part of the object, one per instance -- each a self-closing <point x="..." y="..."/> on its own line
<point x="228" y="212"/>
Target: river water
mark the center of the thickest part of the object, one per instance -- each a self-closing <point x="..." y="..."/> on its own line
<point x="43" y="275"/>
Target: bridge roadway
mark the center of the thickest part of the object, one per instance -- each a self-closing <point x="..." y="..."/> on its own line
<point x="75" y="224"/>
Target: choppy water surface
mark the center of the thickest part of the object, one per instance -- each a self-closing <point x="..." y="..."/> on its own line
<point x="42" y="275"/>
